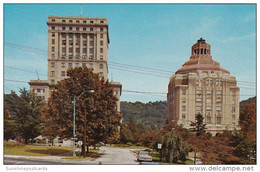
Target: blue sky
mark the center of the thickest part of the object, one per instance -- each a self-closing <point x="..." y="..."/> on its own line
<point x="149" y="35"/>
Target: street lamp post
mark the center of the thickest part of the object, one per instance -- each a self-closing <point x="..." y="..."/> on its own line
<point x="74" y="112"/>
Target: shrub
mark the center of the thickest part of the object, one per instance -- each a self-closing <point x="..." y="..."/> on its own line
<point x="11" y="144"/>
<point x="129" y="144"/>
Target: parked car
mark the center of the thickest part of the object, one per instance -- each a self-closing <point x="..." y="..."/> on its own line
<point x="144" y="156"/>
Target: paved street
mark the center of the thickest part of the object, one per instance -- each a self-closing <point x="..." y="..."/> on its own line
<point x="117" y="156"/>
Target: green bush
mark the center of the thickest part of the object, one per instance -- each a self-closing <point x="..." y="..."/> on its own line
<point x="129" y="144"/>
<point x="12" y="144"/>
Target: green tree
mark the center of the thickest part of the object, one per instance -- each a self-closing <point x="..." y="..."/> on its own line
<point x="126" y="135"/>
<point x="26" y="111"/>
<point x="102" y="117"/>
<point x="198" y="127"/>
<point x="173" y="148"/>
<point x="10" y="126"/>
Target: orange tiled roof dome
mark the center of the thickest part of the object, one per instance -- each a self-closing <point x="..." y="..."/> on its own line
<point x="200" y="59"/>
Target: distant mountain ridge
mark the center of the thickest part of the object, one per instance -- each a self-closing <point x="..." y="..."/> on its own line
<point x="153" y="114"/>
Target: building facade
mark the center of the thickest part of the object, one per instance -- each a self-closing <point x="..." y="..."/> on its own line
<point x="75" y="42"/>
<point x="201" y="86"/>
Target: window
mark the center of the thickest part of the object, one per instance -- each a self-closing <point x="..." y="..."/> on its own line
<point x="233" y="117"/>
<point x="52" y="64"/>
<point x="217" y="82"/>
<point x="101" y="50"/>
<point x="101" y="21"/>
<point x="52" y="56"/>
<point x="208" y="108"/>
<point x="101" y="43"/>
<point x="204" y="51"/>
<point x="91" y="21"/>
<point x="62" y="73"/>
<point x="183" y="100"/>
<point x="100" y="66"/>
<point x="218" y="108"/>
<point x="63" y="28"/>
<point x="183" y="116"/>
<point x="183" y="108"/>
<point x="100" y="74"/>
<point x="198" y="91"/>
<point x="84" y="29"/>
<point x="198" y="99"/>
<point x="84" y="21"/>
<point x="91" y="50"/>
<point x="209" y="119"/>
<point x="183" y="92"/>
<point x="101" y="57"/>
<point x="63" y="21"/>
<point x="70" y="21"/>
<point x="101" y="35"/>
<point x="208" y="101"/>
<point x="70" y="65"/>
<point x="77" y="64"/>
<point x="91" y="65"/>
<point x="201" y="51"/>
<point x="233" y="109"/>
<point x="53" y="41"/>
<point x="53" y="34"/>
<point x="53" y="27"/>
<point x="53" y="49"/>
<point x="218" y="92"/>
<point x="84" y="65"/>
<point x="38" y="90"/>
<point x="91" y="29"/>
<point x="101" y="29"/>
<point x="53" y="20"/>
<point x="208" y="92"/>
<point x="91" y="43"/>
<point x="77" y="28"/>
<point x="219" y="119"/>
<point x="52" y="73"/>
<point x="77" y="21"/>
<point x="198" y="108"/>
<point x="218" y="100"/>
<point x="70" y="28"/>
<point x="52" y="81"/>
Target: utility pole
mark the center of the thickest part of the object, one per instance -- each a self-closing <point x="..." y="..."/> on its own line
<point x="85" y="128"/>
<point x="74" y="103"/>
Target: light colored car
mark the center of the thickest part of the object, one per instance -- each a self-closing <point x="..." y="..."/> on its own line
<point x="144" y="156"/>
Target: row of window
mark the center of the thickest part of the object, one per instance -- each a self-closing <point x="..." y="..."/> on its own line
<point x="209" y="82"/>
<point x="63" y="65"/>
<point x="79" y="21"/>
<point x="201" y="51"/>
<point x="77" y="35"/>
<point x="38" y="90"/>
<point x="101" y="29"/>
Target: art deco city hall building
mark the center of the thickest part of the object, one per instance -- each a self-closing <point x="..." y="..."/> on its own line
<point x="75" y="42"/>
<point x="202" y="86"/>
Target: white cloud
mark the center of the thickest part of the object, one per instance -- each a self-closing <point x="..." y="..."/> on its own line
<point x="238" y="38"/>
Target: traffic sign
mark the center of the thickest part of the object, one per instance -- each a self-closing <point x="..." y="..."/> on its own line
<point x="74" y="138"/>
<point x="159" y="146"/>
<point x="80" y="143"/>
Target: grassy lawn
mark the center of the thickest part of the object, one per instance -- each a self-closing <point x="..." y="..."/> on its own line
<point x="32" y="150"/>
<point x="92" y="154"/>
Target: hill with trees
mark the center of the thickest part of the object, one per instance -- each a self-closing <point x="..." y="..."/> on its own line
<point x="151" y="114"/>
<point x="243" y="103"/>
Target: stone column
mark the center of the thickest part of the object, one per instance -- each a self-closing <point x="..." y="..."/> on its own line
<point x="60" y="45"/>
<point x="88" y="49"/>
<point x="67" y="46"/>
<point x="80" y="46"/>
<point x="74" y="45"/>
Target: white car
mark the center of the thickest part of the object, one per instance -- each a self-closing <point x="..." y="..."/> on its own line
<point x="144" y="156"/>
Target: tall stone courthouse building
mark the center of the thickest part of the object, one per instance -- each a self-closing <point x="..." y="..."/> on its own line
<point x="201" y="86"/>
<point x="75" y="42"/>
